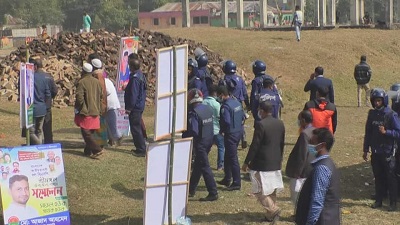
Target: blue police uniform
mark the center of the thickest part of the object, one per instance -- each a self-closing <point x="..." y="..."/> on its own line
<point x="200" y="127"/>
<point x="266" y="95"/>
<point x="135" y="99"/>
<point x="382" y="147"/>
<point x="203" y="75"/>
<point x="256" y="87"/>
<point x="239" y="91"/>
<point x="194" y="82"/>
<point x="231" y="119"/>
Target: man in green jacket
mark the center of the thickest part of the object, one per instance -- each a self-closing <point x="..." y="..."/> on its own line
<point x="88" y="109"/>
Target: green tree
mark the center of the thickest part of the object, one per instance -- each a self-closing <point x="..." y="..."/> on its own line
<point x="114" y="15"/>
<point x="38" y="12"/>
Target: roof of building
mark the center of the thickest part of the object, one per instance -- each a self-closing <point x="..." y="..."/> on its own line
<point x="248" y="7"/>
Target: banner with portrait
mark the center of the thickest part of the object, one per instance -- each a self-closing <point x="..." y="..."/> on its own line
<point x="26" y="95"/>
<point x="33" y="188"/>
<point x="128" y="45"/>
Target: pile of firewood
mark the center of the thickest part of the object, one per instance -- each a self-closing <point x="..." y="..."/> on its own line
<point x="63" y="57"/>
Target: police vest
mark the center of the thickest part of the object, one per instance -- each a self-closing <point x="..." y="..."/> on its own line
<point x="236" y="113"/>
<point x="268" y="95"/>
<point x="235" y="86"/>
<point x="205" y="119"/>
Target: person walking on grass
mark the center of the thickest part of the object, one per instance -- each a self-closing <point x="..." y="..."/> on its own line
<point x="298" y="166"/>
<point x="319" y="198"/>
<point x="88" y="109"/>
<point x="211" y="101"/>
<point x="200" y="127"/>
<point x="362" y="75"/>
<point x="264" y="160"/>
<point x="297" y="21"/>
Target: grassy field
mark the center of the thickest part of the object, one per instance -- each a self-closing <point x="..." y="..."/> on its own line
<point x="110" y="190"/>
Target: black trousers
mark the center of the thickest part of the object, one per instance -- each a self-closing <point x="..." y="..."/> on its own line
<point x="48" y="128"/>
<point x="135" y="122"/>
<point x="91" y="146"/>
<point x="384" y="175"/>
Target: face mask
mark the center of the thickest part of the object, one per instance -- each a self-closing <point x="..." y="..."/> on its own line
<point x="259" y="115"/>
<point x="312" y="149"/>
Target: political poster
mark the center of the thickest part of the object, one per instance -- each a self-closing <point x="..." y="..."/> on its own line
<point x="26" y="95"/>
<point x="33" y="188"/>
<point x="128" y="45"/>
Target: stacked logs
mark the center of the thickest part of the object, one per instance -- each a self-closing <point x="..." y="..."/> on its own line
<point x="63" y="57"/>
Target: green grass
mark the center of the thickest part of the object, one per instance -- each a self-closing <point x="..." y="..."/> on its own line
<point x="110" y="190"/>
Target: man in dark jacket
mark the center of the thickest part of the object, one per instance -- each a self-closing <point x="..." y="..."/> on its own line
<point x="135" y="100"/>
<point x="324" y="112"/>
<point x="382" y="130"/>
<point x="200" y="127"/>
<point x="298" y="166"/>
<point x="362" y="75"/>
<point x="48" y="120"/>
<point x="264" y="160"/>
<point x="41" y="96"/>
<point x="319" y="199"/>
<point x="317" y="80"/>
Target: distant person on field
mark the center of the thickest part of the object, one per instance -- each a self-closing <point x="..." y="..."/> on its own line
<point x="44" y="32"/>
<point x="297" y="21"/>
<point x="317" y="80"/>
<point x="87" y="22"/>
<point x="362" y="75"/>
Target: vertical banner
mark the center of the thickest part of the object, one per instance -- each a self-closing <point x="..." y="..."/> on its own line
<point x="128" y="45"/>
<point x="26" y="95"/>
<point x="33" y="188"/>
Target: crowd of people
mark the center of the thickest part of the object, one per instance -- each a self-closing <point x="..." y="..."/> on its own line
<point x="216" y="115"/>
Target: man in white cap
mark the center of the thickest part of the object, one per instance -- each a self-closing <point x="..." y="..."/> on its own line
<point x="88" y="109"/>
<point x="98" y="73"/>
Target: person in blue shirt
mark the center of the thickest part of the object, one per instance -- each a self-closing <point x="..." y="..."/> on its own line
<point x="200" y="127"/>
<point x="237" y="88"/>
<point x="382" y="130"/>
<point x="135" y="101"/>
<point x="268" y="94"/>
<point x="218" y="138"/>
<point x="231" y="127"/>
<point x="319" y="199"/>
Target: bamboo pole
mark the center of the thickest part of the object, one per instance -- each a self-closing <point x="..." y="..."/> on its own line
<point x="27" y="133"/>
<point x="171" y="153"/>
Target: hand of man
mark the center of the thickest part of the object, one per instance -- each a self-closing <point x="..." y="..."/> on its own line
<point x="382" y="129"/>
<point x="127" y="112"/>
<point x="312" y="76"/>
<point x="245" y="167"/>
<point x="365" y="156"/>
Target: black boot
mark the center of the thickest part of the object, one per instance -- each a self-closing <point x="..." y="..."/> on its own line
<point x="209" y="198"/>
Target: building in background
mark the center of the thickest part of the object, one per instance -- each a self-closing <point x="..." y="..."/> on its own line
<point x="207" y="14"/>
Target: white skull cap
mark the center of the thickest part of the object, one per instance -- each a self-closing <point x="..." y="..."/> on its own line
<point x="97" y="63"/>
<point x="87" y="68"/>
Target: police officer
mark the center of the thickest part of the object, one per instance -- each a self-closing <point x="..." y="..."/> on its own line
<point x="200" y="127"/>
<point x="231" y="119"/>
<point x="381" y="132"/>
<point x="236" y="87"/>
<point x="135" y="100"/>
<point x="193" y="81"/>
<point x="394" y="94"/>
<point x="202" y="72"/>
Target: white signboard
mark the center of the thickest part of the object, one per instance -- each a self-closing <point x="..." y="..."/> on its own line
<point x="164" y="91"/>
<point x="156" y="182"/>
